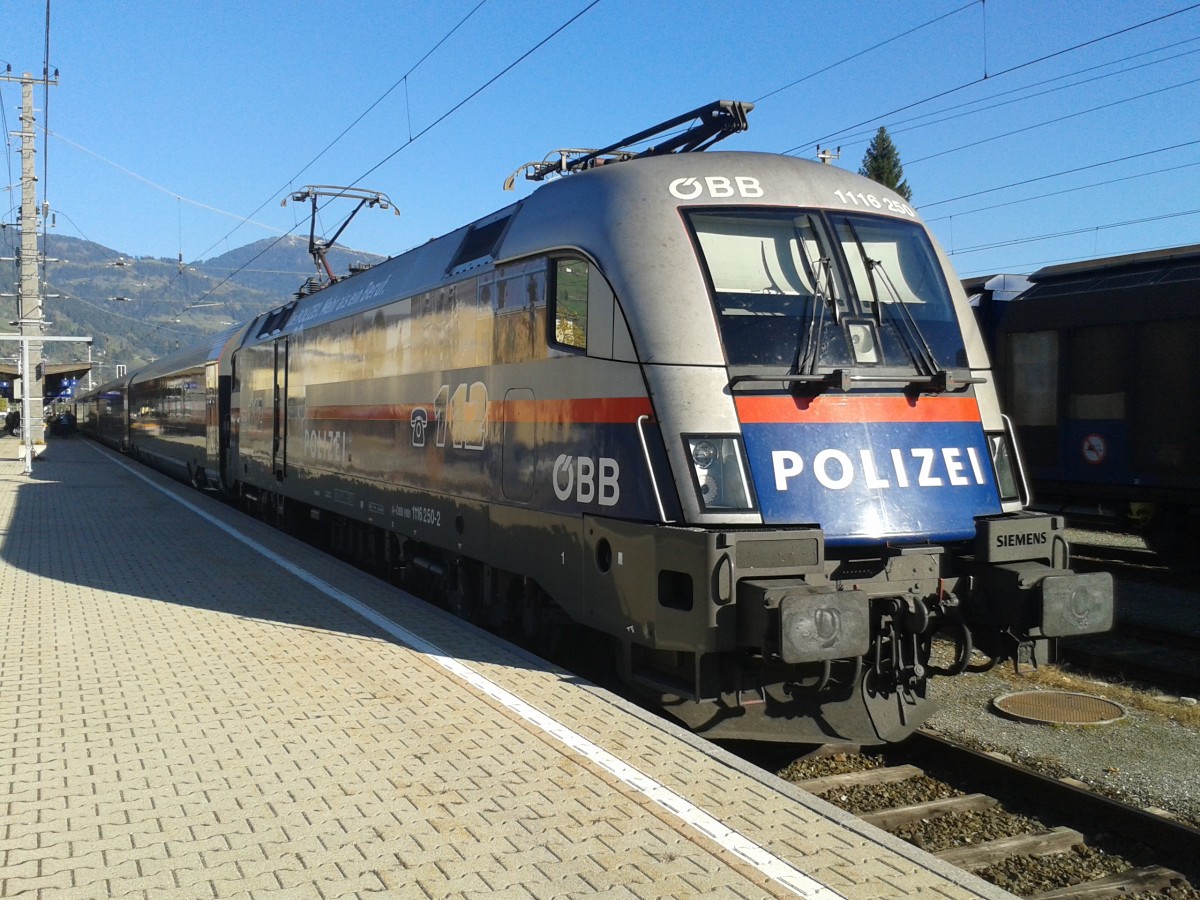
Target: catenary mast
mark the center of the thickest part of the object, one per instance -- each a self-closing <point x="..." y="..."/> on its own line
<point x="31" y="314"/>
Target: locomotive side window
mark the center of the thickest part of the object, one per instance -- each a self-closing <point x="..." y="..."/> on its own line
<point x="570" y="303"/>
<point x="1033" y="386"/>
<point x="1098" y="371"/>
<point x="1164" y="432"/>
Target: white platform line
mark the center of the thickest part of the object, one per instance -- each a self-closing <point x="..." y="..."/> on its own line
<point x="778" y="870"/>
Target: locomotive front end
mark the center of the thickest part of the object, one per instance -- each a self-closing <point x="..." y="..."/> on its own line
<point x="849" y="494"/>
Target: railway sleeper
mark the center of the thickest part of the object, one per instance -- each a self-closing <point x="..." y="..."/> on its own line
<point x="1098" y="817"/>
<point x="1134" y="881"/>
<point x="891" y="819"/>
<point x="978" y="856"/>
<point x="864" y="777"/>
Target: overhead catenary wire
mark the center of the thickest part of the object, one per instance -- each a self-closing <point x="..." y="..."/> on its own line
<point x="854" y="56"/>
<point x="1054" y="121"/>
<point x="1082" y="187"/>
<point x="7" y="154"/>
<point x="420" y="134"/>
<point x="1059" y="174"/>
<point x="1074" y="231"/>
<point x="479" y="90"/>
<point x="400" y="124"/>
<point x="1034" y="264"/>
<point x="904" y="126"/>
<point x="110" y="312"/>
<point x="977" y="103"/>
<point x="1033" y="62"/>
<point x="1060" y="118"/>
<point x="308" y="165"/>
<point x="115" y="258"/>
<point x="304" y="168"/>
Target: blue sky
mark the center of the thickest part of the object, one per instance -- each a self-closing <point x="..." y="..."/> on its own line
<point x="176" y="128"/>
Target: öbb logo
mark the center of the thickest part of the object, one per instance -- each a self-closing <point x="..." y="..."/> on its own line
<point x="587" y="480"/>
<point x="715" y="186"/>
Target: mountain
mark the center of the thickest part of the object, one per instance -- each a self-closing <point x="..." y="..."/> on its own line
<point x="139" y="308"/>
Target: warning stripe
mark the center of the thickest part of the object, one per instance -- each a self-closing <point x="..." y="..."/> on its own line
<point x="826" y="409"/>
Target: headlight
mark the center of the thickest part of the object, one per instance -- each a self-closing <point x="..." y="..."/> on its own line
<point x="719" y="467"/>
<point x="703" y="454"/>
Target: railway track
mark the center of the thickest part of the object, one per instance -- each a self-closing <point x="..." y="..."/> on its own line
<point x="1164" y="659"/>
<point x="1110" y="849"/>
<point x="1132" y="563"/>
<point x="1128" y="556"/>
<point x="1031" y="834"/>
<point x="1154" y="640"/>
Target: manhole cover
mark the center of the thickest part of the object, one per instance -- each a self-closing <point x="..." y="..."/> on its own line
<point x="1058" y="708"/>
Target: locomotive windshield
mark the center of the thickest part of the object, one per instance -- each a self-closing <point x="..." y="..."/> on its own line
<point x="807" y="290"/>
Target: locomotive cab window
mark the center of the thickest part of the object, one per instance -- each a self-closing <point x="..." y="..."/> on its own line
<point x="773" y="281"/>
<point x="899" y="284"/>
<point x="571" y="303"/>
<point x="808" y="291"/>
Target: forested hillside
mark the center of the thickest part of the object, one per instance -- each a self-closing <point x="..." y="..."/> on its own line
<point x="138" y="308"/>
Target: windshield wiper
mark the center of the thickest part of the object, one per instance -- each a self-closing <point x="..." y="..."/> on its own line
<point x="910" y="333"/>
<point x="914" y="342"/>
<point x="808" y="341"/>
<point x="844" y="379"/>
<point x="938" y="379"/>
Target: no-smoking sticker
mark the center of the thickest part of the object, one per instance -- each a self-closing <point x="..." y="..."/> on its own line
<point x="1094" y="449"/>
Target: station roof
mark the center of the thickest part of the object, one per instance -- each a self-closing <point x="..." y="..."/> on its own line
<point x="53" y="370"/>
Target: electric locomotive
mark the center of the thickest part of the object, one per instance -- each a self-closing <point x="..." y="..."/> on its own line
<point x="730" y="411"/>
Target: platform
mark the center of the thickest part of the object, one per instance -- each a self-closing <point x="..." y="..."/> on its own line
<point x="193" y="705"/>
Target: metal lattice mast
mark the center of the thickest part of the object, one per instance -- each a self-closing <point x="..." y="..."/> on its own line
<point x="29" y="296"/>
<point x="30" y="312"/>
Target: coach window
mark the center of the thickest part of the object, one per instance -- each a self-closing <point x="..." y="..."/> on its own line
<point x="570" y="303"/>
<point x="1033" y="377"/>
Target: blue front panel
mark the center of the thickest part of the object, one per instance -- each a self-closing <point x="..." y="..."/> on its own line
<point x="876" y="480"/>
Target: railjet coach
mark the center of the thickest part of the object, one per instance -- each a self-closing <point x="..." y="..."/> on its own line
<point x="726" y="414"/>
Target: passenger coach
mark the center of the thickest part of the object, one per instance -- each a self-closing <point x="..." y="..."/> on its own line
<point x="1100" y="372"/>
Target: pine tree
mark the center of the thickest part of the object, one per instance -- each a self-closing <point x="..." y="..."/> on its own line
<point x="882" y="164"/>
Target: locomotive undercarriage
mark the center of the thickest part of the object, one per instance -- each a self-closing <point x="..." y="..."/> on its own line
<point x="841" y="656"/>
<point x="770" y="637"/>
<point x="505" y="603"/>
<point x="841" y="648"/>
<point x="872" y="684"/>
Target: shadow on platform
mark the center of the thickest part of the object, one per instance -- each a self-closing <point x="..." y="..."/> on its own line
<point x="83" y="518"/>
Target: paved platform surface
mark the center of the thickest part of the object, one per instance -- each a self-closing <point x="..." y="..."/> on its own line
<point x="189" y="709"/>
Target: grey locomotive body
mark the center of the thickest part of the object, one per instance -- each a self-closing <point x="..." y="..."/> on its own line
<point x="729" y="410"/>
